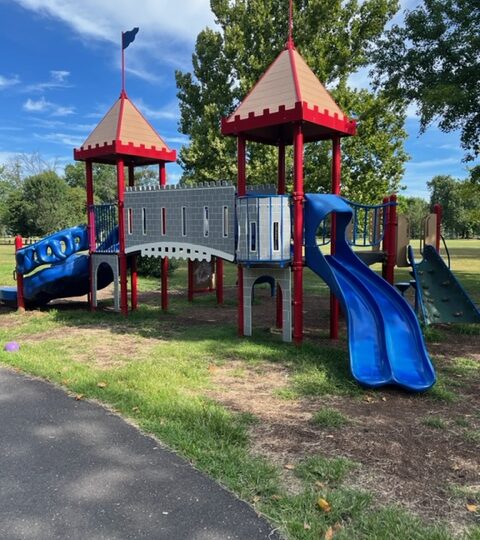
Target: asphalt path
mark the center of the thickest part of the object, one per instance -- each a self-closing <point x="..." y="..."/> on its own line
<point x="73" y="470"/>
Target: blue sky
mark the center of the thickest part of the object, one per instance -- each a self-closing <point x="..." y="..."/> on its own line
<point x="60" y="72"/>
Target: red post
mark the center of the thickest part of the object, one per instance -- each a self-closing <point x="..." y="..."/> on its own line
<point x="241" y="191"/>
<point x="438" y="210"/>
<point x="279" y="318"/>
<point x="162" y="178"/>
<point x="162" y="174"/>
<point x="91" y="222"/>
<point x="298" y="196"/>
<point x="219" y="280"/>
<point x="391" y="233"/>
<point x="190" y="281"/>
<point x="281" y="191"/>
<point x="20" y="297"/>
<point x="386" y="210"/>
<point x="133" y="258"/>
<point x="336" y="188"/>
<point x="121" y="237"/>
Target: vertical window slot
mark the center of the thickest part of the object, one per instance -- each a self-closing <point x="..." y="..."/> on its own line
<point x="276" y="236"/>
<point x="205" y="221"/>
<point x="130" y="220"/>
<point x="184" y="221"/>
<point x="225" y="221"/>
<point x="253" y="236"/>
<point x="144" y="221"/>
<point x="164" y="221"/>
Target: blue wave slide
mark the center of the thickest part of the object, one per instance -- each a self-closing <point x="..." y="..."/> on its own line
<point x="385" y="340"/>
<point x="68" y="270"/>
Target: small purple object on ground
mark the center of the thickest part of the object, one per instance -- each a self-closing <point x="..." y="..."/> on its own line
<point x="11" y="346"/>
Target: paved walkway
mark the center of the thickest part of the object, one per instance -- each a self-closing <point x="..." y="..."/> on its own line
<point x="72" y="470"/>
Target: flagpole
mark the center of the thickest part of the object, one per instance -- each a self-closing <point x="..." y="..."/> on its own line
<point x="123" y="67"/>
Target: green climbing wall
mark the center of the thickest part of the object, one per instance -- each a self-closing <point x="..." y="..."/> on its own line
<point x="444" y="299"/>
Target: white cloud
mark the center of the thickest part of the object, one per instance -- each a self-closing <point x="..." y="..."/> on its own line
<point x="66" y="139"/>
<point x="42" y="105"/>
<point x="5" y="82"/>
<point x="58" y="79"/>
<point x="168" y="112"/>
<point x="158" y="20"/>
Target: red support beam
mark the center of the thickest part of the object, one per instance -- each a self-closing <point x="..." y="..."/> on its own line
<point x="91" y="223"/>
<point x="121" y="237"/>
<point x="386" y="210"/>
<point x="336" y="189"/>
<point x="162" y="178"/>
<point x="241" y="191"/>
<point x="279" y="317"/>
<point x="219" y="280"/>
<point x="298" y="197"/>
<point x="190" y="280"/>
<point x="281" y="191"/>
<point x="438" y="210"/>
<point x="133" y="258"/>
<point x="20" y="296"/>
<point x="391" y="233"/>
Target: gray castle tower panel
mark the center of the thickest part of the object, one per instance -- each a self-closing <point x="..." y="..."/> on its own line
<point x="264" y="230"/>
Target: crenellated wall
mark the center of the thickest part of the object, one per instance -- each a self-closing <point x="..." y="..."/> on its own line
<point x="194" y="222"/>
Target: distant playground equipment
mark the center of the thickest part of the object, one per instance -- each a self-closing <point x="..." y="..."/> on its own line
<point x="270" y="235"/>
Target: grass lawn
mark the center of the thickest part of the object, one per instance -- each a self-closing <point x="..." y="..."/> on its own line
<point x="284" y="427"/>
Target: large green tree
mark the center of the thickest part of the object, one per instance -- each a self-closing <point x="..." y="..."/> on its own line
<point x="415" y="209"/>
<point x="433" y="61"/>
<point x="334" y="37"/>
<point x="44" y="204"/>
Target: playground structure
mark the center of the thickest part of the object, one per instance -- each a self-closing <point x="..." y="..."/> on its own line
<point x="271" y="235"/>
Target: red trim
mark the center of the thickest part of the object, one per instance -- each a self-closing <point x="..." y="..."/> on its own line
<point x="301" y="112"/>
<point x="297" y="264"/>
<point x="20" y="296"/>
<point x="219" y="279"/>
<point x="164" y="283"/>
<point x="293" y="65"/>
<point x="438" y="210"/>
<point x="111" y="151"/>
<point x="241" y="327"/>
<point x="335" y="188"/>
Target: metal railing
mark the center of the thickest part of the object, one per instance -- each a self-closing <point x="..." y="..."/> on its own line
<point x="106" y="228"/>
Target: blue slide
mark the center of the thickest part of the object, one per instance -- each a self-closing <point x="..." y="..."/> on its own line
<point x="68" y="270"/>
<point x="385" y="340"/>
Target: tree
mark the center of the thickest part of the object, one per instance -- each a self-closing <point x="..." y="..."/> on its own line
<point x="44" y="204"/>
<point x="434" y="61"/>
<point x="334" y="37"/>
<point x="416" y="210"/>
<point x="460" y="202"/>
<point x="105" y="179"/>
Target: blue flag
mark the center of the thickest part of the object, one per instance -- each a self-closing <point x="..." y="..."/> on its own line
<point x="128" y="37"/>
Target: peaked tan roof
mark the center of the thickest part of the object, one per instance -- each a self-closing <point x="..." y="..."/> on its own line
<point x="288" y="91"/>
<point x="124" y="130"/>
<point x="287" y="81"/>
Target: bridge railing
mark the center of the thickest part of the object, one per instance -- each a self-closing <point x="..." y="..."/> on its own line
<point x="366" y="229"/>
<point x="106" y="228"/>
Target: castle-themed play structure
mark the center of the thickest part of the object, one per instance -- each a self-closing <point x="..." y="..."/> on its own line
<point x="268" y="233"/>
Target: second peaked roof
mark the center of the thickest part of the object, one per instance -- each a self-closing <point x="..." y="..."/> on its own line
<point x="125" y="132"/>
<point x="288" y="91"/>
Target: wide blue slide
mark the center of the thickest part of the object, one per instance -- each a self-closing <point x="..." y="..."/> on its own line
<point x="67" y="269"/>
<point x="385" y="340"/>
